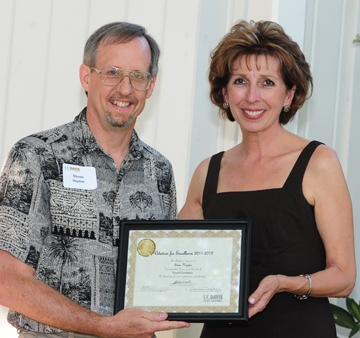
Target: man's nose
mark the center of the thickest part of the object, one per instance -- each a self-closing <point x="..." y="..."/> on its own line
<point x="124" y="85"/>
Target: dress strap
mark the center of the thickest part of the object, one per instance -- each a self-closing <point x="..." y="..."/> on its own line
<point x="212" y="176"/>
<point x="296" y="175"/>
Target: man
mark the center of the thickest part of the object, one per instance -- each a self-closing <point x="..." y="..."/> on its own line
<point x="64" y="191"/>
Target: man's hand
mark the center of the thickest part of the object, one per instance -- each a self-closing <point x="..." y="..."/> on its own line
<point x="136" y="323"/>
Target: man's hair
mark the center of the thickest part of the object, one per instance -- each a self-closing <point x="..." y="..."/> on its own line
<point x="260" y="38"/>
<point x="115" y="33"/>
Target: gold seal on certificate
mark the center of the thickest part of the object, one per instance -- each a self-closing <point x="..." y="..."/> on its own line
<point x="146" y="247"/>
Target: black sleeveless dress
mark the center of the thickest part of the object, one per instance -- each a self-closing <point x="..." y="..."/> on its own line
<point x="285" y="240"/>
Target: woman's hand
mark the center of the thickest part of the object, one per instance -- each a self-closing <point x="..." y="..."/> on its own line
<point x="267" y="288"/>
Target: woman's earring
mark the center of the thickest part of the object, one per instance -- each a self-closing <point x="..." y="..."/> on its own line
<point x="226" y="105"/>
<point x="286" y="109"/>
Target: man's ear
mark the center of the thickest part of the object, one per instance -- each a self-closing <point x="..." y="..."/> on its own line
<point x="151" y="88"/>
<point x="84" y="74"/>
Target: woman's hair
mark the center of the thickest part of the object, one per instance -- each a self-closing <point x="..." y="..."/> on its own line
<point x="260" y="38"/>
<point x="119" y="32"/>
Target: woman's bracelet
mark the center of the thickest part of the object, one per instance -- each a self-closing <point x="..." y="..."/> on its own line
<point x="303" y="297"/>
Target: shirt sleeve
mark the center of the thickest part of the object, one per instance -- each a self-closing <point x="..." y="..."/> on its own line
<point x="173" y="205"/>
<point x="24" y="212"/>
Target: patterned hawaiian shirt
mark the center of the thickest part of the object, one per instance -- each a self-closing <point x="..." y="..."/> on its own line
<point x="70" y="235"/>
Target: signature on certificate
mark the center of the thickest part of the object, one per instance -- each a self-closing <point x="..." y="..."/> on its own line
<point x="153" y="288"/>
<point x="203" y="289"/>
<point x="182" y="283"/>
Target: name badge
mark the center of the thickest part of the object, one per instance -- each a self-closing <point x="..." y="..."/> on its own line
<point x="78" y="177"/>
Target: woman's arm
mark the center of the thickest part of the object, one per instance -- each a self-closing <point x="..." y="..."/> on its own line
<point x="192" y="208"/>
<point x="325" y="188"/>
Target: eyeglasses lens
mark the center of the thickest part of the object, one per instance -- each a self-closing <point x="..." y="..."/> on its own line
<point x="113" y="76"/>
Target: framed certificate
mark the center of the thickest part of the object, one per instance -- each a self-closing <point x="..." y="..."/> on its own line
<point x="195" y="270"/>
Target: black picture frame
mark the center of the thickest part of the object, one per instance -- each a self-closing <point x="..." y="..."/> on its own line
<point x="141" y="229"/>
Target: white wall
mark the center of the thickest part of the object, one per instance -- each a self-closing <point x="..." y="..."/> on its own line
<point x="42" y="43"/>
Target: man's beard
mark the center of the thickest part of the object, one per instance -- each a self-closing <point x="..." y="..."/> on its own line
<point x="117" y="124"/>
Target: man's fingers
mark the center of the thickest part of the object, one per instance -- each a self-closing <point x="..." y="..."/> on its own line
<point x="157" y="316"/>
<point x="168" y="325"/>
<point x="159" y="319"/>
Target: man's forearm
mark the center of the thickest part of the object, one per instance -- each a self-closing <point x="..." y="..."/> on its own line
<point x="23" y="293"/>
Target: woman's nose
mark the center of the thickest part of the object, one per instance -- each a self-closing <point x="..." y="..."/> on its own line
<point x="252" y="94"/>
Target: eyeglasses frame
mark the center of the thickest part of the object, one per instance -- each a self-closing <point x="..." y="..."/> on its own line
<point x="99" y="71"/>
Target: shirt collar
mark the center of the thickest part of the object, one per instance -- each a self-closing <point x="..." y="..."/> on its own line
<point x="89" y="143"/>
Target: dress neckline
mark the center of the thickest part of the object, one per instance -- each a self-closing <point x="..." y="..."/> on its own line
<point x="308" y="149"/>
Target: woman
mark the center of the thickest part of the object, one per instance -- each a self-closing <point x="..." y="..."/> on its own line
<point x="293" y="190"/>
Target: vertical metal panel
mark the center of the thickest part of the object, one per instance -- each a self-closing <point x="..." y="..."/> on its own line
<point x="326" y="38"/>
<point x="205" y="121"/>
<point x="238" y="10"/>
<point x="353" y="164"/>
<point x="344" y="109"/>
<point x="42" y="43"/>
<point x="292" y="17"/>
<point x="67" y="34"/>
<point x="6" y="25"/>
<point x="28" y="59"/>
<point x="180" y="38"/>
<point x="105" y="11"/>
<point x="259" y="10"/>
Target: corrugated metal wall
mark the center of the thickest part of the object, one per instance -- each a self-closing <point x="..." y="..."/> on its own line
<point x="41" y="51"/>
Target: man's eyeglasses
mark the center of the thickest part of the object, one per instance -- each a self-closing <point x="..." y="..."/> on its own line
<point x="112" y="76"/>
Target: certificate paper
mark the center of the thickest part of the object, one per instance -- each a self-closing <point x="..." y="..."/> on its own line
<point x="194" y="270"/>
